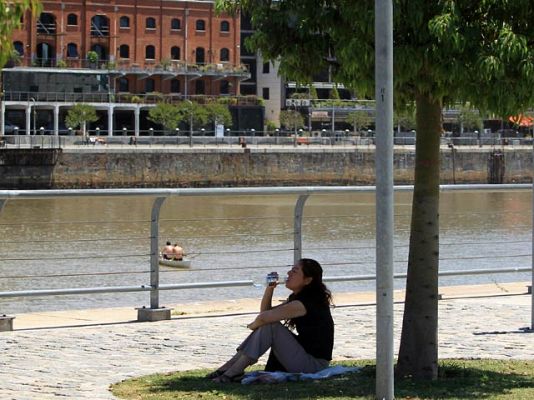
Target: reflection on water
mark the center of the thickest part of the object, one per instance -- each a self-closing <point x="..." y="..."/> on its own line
<point x="97" y="242"/>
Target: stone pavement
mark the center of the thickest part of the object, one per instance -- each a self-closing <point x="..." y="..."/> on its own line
<point x="78" y="355"/>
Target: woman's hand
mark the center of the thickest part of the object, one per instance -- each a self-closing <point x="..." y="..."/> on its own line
<point x="253" y="325"/>
<point x="272" y="279"/>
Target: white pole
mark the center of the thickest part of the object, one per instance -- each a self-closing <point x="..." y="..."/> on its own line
<point x="384" y="198"/>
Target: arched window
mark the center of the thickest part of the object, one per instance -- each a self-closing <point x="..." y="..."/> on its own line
<point x="101" y="51"/>
<point x="150" y="85"/>
<point x="199" y="54"/>
<point x="225" y="26"/>
<point x="46" y="24"/>
<point x="150" y="52"/>
<point x="72" y="50"/>
<point x="200" y="25"/>
<point x="124" y="85"/>
<point x="225" y="87"/>
<point x="100" y="26"/>
<point x="175" y="86"/>
<point x="72" y="19"/>
<point x="19" y="47"/>
<point x="175" y="53"/>
<point x="124" y="51"/>
<point x="45" y="53"/>
<point x="175" y="24"/>
<point x="225" y="54"/>
<point x="150" y="23"/>
<point x="124" y="22"/>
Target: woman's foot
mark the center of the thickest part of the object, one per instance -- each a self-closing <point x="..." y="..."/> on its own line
<point x="236" y="371"/>
<point x="215" y="374"/>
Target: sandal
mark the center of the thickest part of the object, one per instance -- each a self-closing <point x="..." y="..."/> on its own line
<point x="228" y="379"/>
<point x="215" y="374"/>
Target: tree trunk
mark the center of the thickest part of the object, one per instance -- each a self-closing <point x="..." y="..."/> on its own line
<point x="418" y="353"/>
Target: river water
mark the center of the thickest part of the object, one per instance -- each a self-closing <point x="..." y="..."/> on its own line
<point x="95" y="242"/>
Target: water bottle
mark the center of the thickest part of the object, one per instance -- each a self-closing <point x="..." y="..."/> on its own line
<point x="271" y="279"/>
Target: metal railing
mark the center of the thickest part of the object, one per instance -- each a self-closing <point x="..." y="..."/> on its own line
<point x="16" y="137"/>
<point x="127" y="98"/>
<point x="123" y="66"/>
<point x="161" y="195"/>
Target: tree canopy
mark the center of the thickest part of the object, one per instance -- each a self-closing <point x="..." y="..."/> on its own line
<point x="167" y="115"/>
<point x="453" y="50"/>
<point x="219" y="114"/>
<point x="79" y="115"/>
<point x="291" y="119"/>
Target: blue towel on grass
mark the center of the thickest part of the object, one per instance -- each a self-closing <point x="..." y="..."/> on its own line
<point x="279" y="377"/>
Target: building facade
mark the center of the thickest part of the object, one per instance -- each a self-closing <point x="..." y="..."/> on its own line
<point x="122" y="56"/>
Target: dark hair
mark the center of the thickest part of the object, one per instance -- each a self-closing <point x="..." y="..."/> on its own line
<point x="316" y="288"/>
<point x="168" y="243"/>
<point x="312" y="269"/>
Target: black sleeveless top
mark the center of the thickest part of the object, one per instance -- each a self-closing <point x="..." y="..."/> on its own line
<point x="316" y="328"/>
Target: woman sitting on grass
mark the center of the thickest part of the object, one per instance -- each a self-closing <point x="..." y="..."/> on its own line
<point x="307" y="310"/>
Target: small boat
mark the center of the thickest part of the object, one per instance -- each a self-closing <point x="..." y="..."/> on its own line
<point x="185" y="263"/>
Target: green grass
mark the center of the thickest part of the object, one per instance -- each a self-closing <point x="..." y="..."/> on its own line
<point x="458" y="379"/>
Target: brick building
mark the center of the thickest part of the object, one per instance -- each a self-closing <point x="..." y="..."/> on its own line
<point x="127" y="54"/>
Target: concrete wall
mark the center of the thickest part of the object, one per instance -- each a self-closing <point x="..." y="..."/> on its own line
<point x="163" y="167"/>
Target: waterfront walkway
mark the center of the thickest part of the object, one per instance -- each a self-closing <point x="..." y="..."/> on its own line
<point x="78" y="354"/>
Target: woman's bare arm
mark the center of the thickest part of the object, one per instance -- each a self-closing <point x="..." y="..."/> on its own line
<point x="286" y="311"/>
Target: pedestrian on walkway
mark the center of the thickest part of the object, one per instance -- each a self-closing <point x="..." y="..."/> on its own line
<point x="307" y="311"/>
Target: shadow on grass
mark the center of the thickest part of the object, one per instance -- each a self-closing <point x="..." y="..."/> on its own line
<point x="459" y="379"/>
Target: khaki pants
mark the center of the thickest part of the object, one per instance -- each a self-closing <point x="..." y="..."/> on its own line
<point x="285" y="347"/>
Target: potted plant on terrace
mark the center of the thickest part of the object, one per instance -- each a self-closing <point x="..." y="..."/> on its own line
<point x="92" y="58"/>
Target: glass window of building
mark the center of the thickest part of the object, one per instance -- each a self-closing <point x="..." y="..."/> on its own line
<point x="124" y="85"/>
<point x="225" y="26"/>
<point x="200" y="25"/>
<point x="175" y="86"/>
<point x="225" y="87"/>
<point x="150" y="85"/>
<point x="124" y="22"/>
<point x="124" y="51"/>
<point x="247" y="89"/>
<point x="100" y="26"/>
<point x="225" y="54"/>
<point x="175" y="53"/>
<point x="19" y="47"/>
<point x="251" y="67"/>
<point x="246" y="24"/>
<point x="245" y="51"/>
<point x="72" y="50"/>
<point x="150" y="52"/>
<point x="72" y="19"/>
<point x="266" y="67"/>
<point x="200" y="88"/>
<point x="46" y="24"/>
<point x="175" y="24"/>
<point x="150" y="23"/>
<point x="265" y="93"/>
<point x="200" y="55"/>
